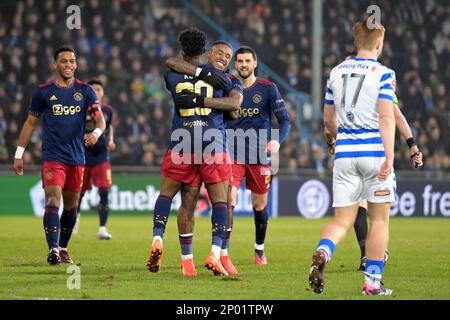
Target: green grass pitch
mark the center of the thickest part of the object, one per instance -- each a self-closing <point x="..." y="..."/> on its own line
<point x="418" y="267"/>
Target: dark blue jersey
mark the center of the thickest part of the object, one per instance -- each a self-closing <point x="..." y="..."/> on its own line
<point x="64" y="112"/>
<point x="237" y="83"/>
<point x="99" y="153"/>
<point x="196" y="122"/>
<point x="252" y="130"/>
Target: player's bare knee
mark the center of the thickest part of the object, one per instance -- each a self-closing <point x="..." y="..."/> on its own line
<point x="232" y="201"/>
<point x="259" y="205"/>
<point x="71" y="200"/>
<point x="53" y="201"/>
<point x="379" y="218"/>
<point x="344" y="224"/>
<point x="217" y="194"/>
<point x="169" y="187"/>
<point x="232" y="197"/>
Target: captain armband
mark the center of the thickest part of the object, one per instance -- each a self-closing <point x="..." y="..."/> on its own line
<point x="95" y="110"/>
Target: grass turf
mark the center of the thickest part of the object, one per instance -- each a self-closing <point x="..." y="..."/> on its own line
<point x="115" y="269"/>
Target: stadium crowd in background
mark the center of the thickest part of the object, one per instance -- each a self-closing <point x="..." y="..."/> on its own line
<point x="125" y="44"/>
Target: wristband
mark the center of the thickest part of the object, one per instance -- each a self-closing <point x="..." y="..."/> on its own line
<point x="98" y="132"/>
<point x="411" y="142"/>
<point x="19" y="152"/>
<point x="198" y="71"/>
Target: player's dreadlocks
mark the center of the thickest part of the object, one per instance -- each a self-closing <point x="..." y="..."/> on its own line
<point x="192" y="42"/>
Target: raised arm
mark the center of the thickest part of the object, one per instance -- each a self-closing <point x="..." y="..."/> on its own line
<point x="215" y="78"/>
<point x="180" y="65"/>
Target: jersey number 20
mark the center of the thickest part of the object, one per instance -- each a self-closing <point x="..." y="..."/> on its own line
<point x="200" y="87"/>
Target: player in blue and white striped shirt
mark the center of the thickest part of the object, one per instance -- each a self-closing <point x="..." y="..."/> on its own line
<point x="361" y="227"/>
<point x="359" y="112"/>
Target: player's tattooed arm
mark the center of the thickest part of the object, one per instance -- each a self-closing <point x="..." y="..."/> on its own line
<point x="24" y="139"/>
<point x="215" y="78"/>
<point x="405" y="131"/>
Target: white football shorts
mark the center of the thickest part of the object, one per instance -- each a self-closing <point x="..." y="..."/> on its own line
<point x="355" y="179"/>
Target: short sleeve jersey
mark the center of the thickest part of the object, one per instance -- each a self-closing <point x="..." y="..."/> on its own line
<point x="63" y="112"/>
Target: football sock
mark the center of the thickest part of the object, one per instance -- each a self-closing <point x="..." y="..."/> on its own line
<point x="373" y="273"/>
<point x="155" y="238"/>
<point x="161" y="215"/>
<point x="259" y="247"/>
<point x="261" y="219"/>
<point x="103" y="208"/>
<point x="68" y="220"/>
<point x="79" y="201"/>
<point x="327" y="247"/>
<point x="51" y="226"/>
<point x="219" y="220"/>
<point x="361" y="229"/>
<point x="226" y="241"/>
<point x="186" y="245"/>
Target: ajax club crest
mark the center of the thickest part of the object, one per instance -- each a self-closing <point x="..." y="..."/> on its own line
<point x="257" y="98"/>
<point x="77" y="96"/>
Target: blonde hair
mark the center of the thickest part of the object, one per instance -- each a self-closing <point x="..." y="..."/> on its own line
<point x="366" y="37"/>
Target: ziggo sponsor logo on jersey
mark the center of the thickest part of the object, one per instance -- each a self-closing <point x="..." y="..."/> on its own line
<point x="248" y="112"/>
<point x="59" y="110"/>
